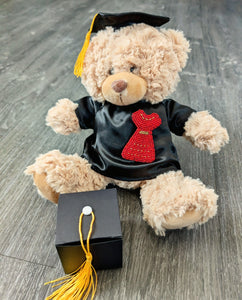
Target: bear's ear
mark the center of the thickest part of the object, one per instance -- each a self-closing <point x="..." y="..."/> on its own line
<point x="180" y="44"/>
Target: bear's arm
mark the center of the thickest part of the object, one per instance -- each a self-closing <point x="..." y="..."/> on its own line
<point x="70" y="117"/>
<point x="200" y="128"/>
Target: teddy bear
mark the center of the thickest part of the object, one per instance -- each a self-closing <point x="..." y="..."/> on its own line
<point x="129" y="68"/>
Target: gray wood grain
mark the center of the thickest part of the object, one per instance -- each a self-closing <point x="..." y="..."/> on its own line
<point x="40" y="41"/>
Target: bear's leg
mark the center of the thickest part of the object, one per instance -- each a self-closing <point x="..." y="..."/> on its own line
<point x="56" y="173"/>
<point x="173" y="201"/>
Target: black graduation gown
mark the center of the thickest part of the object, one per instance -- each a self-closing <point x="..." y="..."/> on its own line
<point x="113" y="128"/>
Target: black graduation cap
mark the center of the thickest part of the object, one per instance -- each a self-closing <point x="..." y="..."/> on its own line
<point x="102" y="20"/>
<point x="117" y="21"/>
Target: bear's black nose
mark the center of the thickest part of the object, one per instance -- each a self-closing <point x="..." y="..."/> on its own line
<point x="119" y="85"/>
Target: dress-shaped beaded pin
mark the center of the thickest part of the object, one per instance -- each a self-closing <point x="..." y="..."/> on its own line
<point x="140" y="147"/>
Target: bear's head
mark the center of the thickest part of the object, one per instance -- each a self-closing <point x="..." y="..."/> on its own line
<point x="133" y="63"/>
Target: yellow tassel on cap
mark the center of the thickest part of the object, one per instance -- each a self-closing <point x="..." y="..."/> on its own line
<point x="80" y="283"/>
<point x="81" y="56"/>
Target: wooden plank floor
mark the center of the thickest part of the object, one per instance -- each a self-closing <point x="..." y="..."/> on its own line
<point x="40" y="41"/>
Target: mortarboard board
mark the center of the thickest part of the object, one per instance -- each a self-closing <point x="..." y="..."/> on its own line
<point x="103" y="20"/>
<point x="117" y="21"/>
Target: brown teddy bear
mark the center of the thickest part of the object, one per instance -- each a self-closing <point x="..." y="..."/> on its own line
<point x="129" y="68"/>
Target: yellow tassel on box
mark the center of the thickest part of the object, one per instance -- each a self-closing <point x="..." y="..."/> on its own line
<point x="81" y="56"/>
<point x="80" y="283"/>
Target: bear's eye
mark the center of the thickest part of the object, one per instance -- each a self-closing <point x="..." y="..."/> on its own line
<point x="111" y="71"/>
<point x="132" y="69"/>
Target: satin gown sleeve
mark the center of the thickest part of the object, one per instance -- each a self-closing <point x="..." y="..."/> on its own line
<point x="177" y="115"/>
<point x="86" y="112"/>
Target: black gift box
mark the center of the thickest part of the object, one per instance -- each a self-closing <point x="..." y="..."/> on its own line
<point x="106" y="238"/>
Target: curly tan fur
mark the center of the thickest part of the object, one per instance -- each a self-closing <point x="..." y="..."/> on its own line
<point x="164" y="53"/>
<point x="180" y="45"/>
<point x="173" y="195"/>
<point x="205" y="132"/>
<point x="67" y="173"/>
<point x="62" y="117"/>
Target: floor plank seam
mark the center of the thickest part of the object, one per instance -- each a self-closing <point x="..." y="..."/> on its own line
<point x="28" y="261"/>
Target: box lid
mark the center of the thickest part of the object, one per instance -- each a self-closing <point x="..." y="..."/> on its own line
<point x="105" y="207"/>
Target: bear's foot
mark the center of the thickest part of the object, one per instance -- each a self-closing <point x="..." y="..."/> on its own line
<point x="55" y="173"/>
<point x="43" y="188"/>
<point x="174" y="201"/>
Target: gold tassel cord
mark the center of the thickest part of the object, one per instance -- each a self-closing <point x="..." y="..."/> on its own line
<point x="79" y="62"/>
<point x="80" y="283"/>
